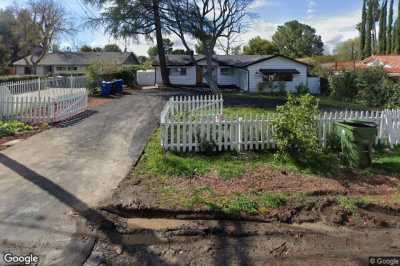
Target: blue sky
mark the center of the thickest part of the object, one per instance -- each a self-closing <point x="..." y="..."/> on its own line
<point x="334" y="20"/>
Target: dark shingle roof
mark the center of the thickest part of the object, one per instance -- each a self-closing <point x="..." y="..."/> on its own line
<point x="240" y="60"/>
<point x="178" y="60"/>
<point x="228" y="60"/>
<point x="83" y="58"/>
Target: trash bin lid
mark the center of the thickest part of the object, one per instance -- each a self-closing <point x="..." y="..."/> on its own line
<point x="359" y="124"/>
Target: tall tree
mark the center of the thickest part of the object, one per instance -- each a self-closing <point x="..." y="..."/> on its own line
<point x="394" y="37"/>
<point x="168" y="48"/>
<point x="200" y="48"/>
<point x="259" y="46"/>
<point x="348" y="50"/>
<point x="126" y="19"/>
<point x="295" y="39"/>
<point x="376" y="11"/>
<point x="112" y="48"/>
<point x="206" y="21"/>
<point x="370" y="25"/>
<point x="230" y="45"/>
<point x="363" y="28"/>
<point x="160" y="44"/>
<point x="389" y="49"/>
<point x="18" y="34"/>
<point x="382" y="28"/>
<point x="86" y="48"/>
<point x="50" y="22"/>
<point x="398" y="30"/>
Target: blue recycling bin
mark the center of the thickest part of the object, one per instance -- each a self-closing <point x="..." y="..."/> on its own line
<point x="106" y="88"/>
<point x="118" y="85"/>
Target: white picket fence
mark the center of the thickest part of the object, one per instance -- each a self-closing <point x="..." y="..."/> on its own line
<point x="24" y="86"/>
<point x="43" y="100"/>
<point x="187" y="122"/>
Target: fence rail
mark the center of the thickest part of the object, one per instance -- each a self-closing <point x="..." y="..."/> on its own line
<point x="24" y="86"/>
<point x="187" y="123"/>
<point x="43" y="100"/>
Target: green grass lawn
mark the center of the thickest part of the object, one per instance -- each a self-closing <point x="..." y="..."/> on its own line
<point x="326" y="102"/>
<point x="247" y="111"/>
<point x="159" y="170"/>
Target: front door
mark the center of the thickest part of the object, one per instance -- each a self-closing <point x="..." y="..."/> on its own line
<point x="199" y="75"/>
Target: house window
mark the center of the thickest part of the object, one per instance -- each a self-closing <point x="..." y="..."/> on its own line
<point x="278" y="77"/>
<point x="60" y="68"/>
<point x="73" y="68"/>
<point x="226" y="71"/>
<point x="177" y="71"/>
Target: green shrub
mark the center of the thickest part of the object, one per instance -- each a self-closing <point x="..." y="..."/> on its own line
<point x="240" y="204"/>
<point x="295" y="128"/>
<point x="351" y="204"/>
<point x="373" y="86"/>
<point x="302" y="89"/>
<point x="394" y="96"/>
<point x="344" y="85"/>
<point x="274" y="200"/>
<point x="99" y="71"/>
<point x="12" y="127"/>
<point x="92" y="73"/>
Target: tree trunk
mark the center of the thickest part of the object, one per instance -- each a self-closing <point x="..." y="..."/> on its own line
<point x="34" y="68"/>
<point x="209" y="71"/>
<point x="160" y="44"/>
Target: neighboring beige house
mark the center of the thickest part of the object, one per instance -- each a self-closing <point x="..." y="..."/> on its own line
<point x="67" y="62"/>
<point x="245" y="72"/>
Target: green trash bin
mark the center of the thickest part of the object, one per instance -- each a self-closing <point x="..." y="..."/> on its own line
<point x="357" y="139"/>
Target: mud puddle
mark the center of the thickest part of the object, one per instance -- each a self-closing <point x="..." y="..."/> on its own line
<point x="222" y="242"/>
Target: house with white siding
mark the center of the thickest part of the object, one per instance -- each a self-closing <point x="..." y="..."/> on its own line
<point x="66" y="62"/>
<point x="252" y="73"/>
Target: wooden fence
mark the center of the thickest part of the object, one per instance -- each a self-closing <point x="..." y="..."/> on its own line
<point x="186" y="133"/>
<point x="43" y="100"/>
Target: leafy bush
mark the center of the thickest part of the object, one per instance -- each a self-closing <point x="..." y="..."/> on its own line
<point x="12" y="127"/>
<point x="394" y="96"/>
<point x="92" y="74"/>
<point x="372" y="84"/>
<point x="99" y="71"/>
<point x="351" y="204"/>
<point x="240" y="203"/>
<point x="371" y="87"/>
<point x="344" y="85"/>
<point x="295" y="128"/>
<point x="274" y="200"/>
<point x="302" y="89"/>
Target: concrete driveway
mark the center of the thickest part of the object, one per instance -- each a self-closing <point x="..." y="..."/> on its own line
<point x="50" y="180"/>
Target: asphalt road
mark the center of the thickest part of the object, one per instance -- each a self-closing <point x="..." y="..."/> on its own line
<point x="51" y="180"/>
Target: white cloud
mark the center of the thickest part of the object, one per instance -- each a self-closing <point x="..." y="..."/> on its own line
<point x="335" y="29"/>
<point x="310" y="9"/>
<point x="256" y="4"/>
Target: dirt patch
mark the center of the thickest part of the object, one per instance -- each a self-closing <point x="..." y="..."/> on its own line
<point x="264" y="179"/>
<point x="149" y="192"/>
<point x="97" y="101"/>
<point x="241" y="243"/>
